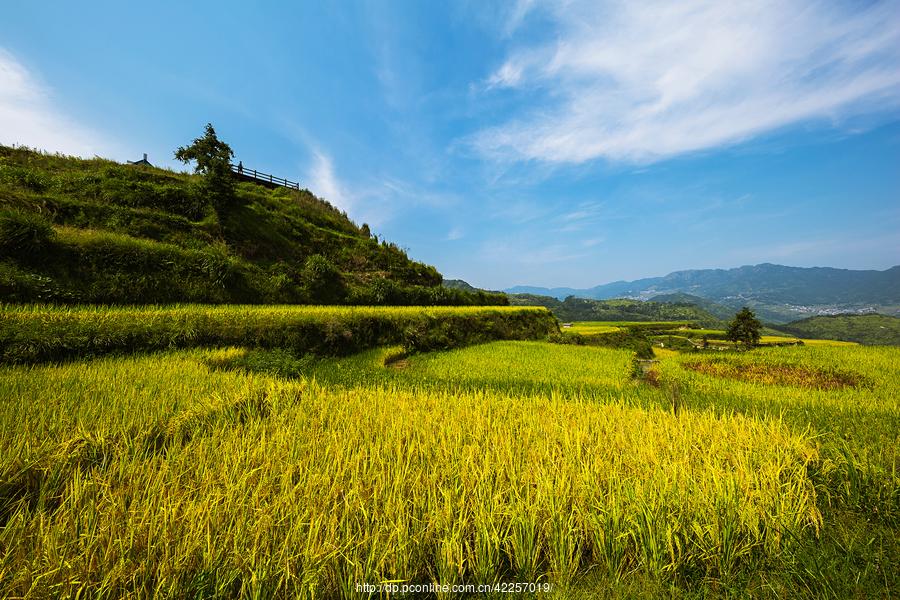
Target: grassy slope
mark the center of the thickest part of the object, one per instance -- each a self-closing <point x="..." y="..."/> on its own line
<point x="864" y="329"/>
<point x="127" y="234"/>
<point x="717" y="310"/>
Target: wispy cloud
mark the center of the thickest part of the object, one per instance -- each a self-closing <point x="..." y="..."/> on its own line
<point x="375" y="200"/>
<point x="642" y="81"/>
<point x="361" y="203"/>
<point x="509" y="75"/>
<point x="516" y="15"/>
<point x="29" y="116"/>
<point x="519" y="211"/>
<point x="325" y="184"/>
<point x="589" y="215"/>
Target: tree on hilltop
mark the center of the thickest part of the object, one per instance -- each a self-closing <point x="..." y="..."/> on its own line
<point x="745" y="328"/>
<point x="213" y="161"/>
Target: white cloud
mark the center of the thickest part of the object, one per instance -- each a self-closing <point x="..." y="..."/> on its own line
<point x="29" y="116"/>
<point x="325" y="184"/>
<point x="376" y="200"/>
<point x="372" y="206"/>
<point x="510" y="74"/>
<point x="642" y="81"/>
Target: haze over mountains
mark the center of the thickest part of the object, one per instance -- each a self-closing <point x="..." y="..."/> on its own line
<point x="778" y="293"/>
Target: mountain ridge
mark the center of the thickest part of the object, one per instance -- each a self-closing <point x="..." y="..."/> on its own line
<point x="778" y="293"/>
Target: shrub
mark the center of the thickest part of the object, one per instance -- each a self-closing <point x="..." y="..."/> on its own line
<point x="34" y="180"/>
<point x="385" y="291"/>
<point x="23" y="232"/>
<point x="323" y="281"/>
<point x="566" y="337"/>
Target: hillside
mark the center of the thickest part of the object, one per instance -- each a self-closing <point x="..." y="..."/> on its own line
<point x="864" y="329"/>
<point x="581" y="309"/>
<point x="459" y="284"/>
<point x="95" y="231"/>
<point x="720" y="311"/>
<point x="776" y="293"/>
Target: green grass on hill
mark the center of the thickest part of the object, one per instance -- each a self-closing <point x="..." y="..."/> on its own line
<point x="865" y="329"/>
<point x="40" y="333"/>
<point x="95" y="231"/>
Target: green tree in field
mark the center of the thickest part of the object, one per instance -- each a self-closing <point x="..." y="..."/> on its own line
<point x="745" y="328"/>
<point x="213" y="161"/>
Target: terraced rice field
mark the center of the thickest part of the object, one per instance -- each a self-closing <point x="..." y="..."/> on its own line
<point x="253" y="472"/>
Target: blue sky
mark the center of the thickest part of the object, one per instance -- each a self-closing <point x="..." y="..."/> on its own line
<point x="565" y="143"/>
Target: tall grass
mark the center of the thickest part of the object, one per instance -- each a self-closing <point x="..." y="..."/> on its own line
<point x="178" y="474"/>
<point x="857" y="423"/>
<point x="156" y="476"/>
<point x="510" y="368"/>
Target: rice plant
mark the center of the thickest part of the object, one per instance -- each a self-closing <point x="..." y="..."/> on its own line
<point x="204" y="473"/>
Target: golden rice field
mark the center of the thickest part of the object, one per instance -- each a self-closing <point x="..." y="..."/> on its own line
<point x="828" y="343"/>
<point x="594" y="327"/>
<point x="246" y="472"/>
<point x="588" y="328"/>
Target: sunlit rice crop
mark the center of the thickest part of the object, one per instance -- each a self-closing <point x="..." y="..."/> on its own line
<point x="156" y="474"/>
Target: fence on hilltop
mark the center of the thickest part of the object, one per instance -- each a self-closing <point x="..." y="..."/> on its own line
<point x="266" y="179"/>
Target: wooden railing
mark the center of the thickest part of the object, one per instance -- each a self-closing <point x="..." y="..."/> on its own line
<point x="264" y="178"/>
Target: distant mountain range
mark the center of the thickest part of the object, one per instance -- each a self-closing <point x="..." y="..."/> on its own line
<point x="777" y="293"/>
